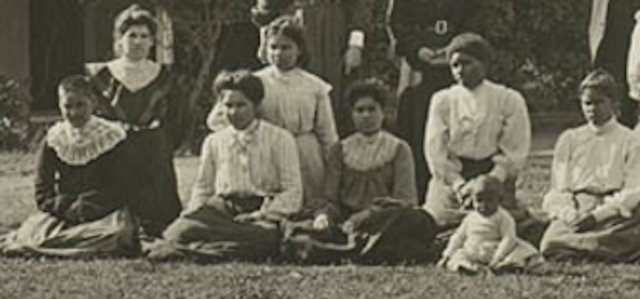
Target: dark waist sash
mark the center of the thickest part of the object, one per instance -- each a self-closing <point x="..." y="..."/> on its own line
<point x="472" y="168"/>
<point x="240" y="205"/>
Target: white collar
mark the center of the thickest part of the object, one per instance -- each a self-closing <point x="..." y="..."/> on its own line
<point x="134" y="75"/>
<point x="605" y="128"/>
<point x="79" y="146"/>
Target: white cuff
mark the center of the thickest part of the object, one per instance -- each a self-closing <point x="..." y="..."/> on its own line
<point x="499" y="173"/>
<point x="356" y="39"/>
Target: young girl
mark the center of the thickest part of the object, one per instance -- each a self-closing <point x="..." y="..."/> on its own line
<point x="370" y="213"/>
<point x="595" y="177"/>
<point x="298" y="102"/>
<point x="487" y="236"/>
<point x="78" y="188"/>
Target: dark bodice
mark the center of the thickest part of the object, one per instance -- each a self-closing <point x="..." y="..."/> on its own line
<point x="429" y="23"/>
<point x="59" y="184"/>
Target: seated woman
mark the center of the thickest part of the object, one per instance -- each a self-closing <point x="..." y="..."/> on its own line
<point x="78" y="187"/>
<point x="595" y="183"/>
<point x="370" y="213"/>
<point x="249" y="179"/>
<point x="474" y="127"/>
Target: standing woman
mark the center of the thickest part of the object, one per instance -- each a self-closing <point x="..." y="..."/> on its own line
<point x="423" y="29"/>
<point x="299" y="102"/>
<point x="138" y="92"/>
<point x="474" y="127"/>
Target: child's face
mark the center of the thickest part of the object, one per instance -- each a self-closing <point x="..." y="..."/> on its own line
<point x="239" y="109"/>
<point x="466" y="69"/>
<point x="75" y="107"/>
<point x="282" y="52"/>
<point x="485" y="203"/>
<point x="367" y="115"/>
<point x="596" y="107"/>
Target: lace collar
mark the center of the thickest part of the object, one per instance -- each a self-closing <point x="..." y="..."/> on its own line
<point x="364" y="153"/>
<point x="134" y="75"/>
<point x="242" y="138"/>
<point x="79" y="146"/>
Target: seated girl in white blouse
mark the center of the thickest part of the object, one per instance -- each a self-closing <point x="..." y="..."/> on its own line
<point x="249" y="179"/>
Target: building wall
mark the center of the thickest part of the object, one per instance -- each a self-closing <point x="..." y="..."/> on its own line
<point x="14" y="38"/>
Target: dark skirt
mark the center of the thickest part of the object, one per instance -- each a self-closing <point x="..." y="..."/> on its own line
<point x="412" y="119"/>
<point x="153" y="184"/>
<point x="209" y="233"/>
<point x="385" y="236"/>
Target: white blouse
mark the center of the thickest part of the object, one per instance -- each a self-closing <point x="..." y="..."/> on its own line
<point x="261" y="160"/>
<point x="490" y="120"/>
<point x="598" y="161"/>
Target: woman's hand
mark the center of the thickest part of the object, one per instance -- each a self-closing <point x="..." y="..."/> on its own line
<point x="248" y="217"/>
<point x="321" y="222"/>
<point x="425" y="54"/>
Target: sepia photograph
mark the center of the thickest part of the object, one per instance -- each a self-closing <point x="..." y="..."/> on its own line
<point x="319" y="149"/>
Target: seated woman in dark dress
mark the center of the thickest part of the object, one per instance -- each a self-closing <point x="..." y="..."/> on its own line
<point x="370" y="213"/>
<point x="78" y="188"/>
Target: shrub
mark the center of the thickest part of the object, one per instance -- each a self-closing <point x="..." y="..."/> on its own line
<point x="14" y="122"/>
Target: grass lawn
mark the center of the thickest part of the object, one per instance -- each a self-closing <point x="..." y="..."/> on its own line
<point x="120" y="278"/>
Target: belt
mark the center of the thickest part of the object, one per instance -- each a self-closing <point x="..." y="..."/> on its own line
<point x="243" y="204"/>
<point x="472" y="168"/>
<point x="594" y="192"/>
<point x="154" y="124"/>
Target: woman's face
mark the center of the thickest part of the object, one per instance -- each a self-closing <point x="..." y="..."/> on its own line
<point x="596" y="107"/>
<point x="75" y="107"/>
<point x="136" y="42"/>
<point x="282" y="52"/>
<point x="466" y="69"/>
<point x="239" y="109"/>
<point x="367" y="115"/>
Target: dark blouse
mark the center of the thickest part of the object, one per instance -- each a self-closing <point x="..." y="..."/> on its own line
<point x="348" y="191"/>
<point x="157" y="101"/>
<point x="58" y="184"/>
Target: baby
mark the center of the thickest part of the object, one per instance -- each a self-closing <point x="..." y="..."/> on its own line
<point x="486" y="239"/>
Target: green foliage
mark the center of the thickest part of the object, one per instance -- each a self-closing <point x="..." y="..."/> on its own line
<point x="14" y="102"/>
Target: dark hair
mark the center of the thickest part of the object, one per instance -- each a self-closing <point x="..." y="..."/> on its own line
<point x="240" y="80"/>
<point x="290" y="27"/>
<point x="133" y="15"/>
<point x="77" y="84"/>
<point x="472" y="44"/>
<point x="370" y="87"/>
<point x="602" y="82"/>
<point x="487" y="184"/>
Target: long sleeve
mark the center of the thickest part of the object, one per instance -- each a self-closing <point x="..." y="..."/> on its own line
<point x="627" y="200"/>
<point x="633" y="62"/>
<point x="289" y="200"/>
<point x="404" y="182"/>
<point x="45" y="176"/>
<point x="324" y="123"/>
<point x="177" y="116"/>
<point x="457" y="239"/>
<point x="508" y="239"/>
<point x="333" y="177"/>
<point x="359" y="14"/>
<point x="515" y="140"/>
<point x="558" y="200"/>
<point x="436" y="141"/>
<point x="204" y="186"/>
